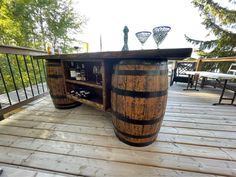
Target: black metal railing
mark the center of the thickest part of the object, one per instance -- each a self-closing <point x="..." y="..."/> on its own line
<point x="22" y="79"/>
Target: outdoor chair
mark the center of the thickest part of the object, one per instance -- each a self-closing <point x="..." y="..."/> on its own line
<point x="179" y="73"/>
<point x="232" y="69"/>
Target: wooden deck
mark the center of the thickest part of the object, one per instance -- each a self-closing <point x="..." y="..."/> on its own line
<point x="196" y="139"/>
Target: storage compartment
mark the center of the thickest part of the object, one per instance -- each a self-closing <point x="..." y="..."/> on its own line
<point x="90" y="72"/>
<point x="85" y="83"/>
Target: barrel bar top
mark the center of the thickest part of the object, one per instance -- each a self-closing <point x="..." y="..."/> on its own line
<point x="154" y="54"/>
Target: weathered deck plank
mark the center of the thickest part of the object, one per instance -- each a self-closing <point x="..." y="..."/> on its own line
<point x="19" y="171"/>
<point x="94" y="133"/>
<point x="196" y="139"/>
<point x="85" y="166"/>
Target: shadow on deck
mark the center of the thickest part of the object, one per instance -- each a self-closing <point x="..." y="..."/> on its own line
<point x="196" y="139"/>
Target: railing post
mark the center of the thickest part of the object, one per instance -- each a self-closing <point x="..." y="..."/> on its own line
<point x="199" y="65"/>
<point x="27" y="70"/>
<point x="5" y="86"/>
<point x="13" y="77"/>
<point x="35" y="77"/>
<point x="21" y="76"/>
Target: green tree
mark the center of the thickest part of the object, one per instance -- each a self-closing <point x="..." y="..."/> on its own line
<point x="9" y="32"/>
<point x="221" y="23"/>
<point x="63" y="24"/>
<point x="33" y="23"/>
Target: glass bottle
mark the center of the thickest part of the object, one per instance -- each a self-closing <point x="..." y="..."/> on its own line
<point x="83" y="75"/>
<point x="72" y="71"/>
<point x="100" y="75"/>
<point x="78" y="72"/>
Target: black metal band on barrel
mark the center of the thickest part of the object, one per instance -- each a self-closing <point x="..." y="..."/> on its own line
<point x="53" y="64"/>
<point x="141" y="72"/>
<point x="131" y="143"/>
<point x="58" y="96"/>
<point x="138" y="94"/>
<point x="135" y="121"/>
<point x="135" y="136"/>
<point x="55" y="76"/>
<point x="67" y="106"/>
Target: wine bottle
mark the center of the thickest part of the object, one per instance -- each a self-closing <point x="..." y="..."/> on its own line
<point x="72" y="71"/>
<point x="83" y="75"/>
<point x="72" y="92"/>
<point x="84" y="93"/>
<point x="99" y="75"/>
<point x="78" y="72"/>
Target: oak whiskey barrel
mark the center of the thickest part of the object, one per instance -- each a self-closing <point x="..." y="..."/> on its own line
<point x="56" y="85"/>
<point x="138" y="99"/>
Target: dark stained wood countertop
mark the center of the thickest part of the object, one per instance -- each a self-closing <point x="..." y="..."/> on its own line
<point x="154" y="54"/>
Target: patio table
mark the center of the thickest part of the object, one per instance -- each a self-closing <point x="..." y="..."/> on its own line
<point x="217" y="77"/>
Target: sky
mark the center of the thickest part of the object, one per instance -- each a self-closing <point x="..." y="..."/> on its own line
<point x="107" y="18"/>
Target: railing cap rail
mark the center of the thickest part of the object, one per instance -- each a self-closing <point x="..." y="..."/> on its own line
<point x="220" y="59"/>
<point x="6" y="49"/>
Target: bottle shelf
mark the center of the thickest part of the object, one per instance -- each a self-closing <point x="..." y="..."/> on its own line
<point x="95" y="102"/>
<point x="93" y="72"/>
<point x="85" y="83"/>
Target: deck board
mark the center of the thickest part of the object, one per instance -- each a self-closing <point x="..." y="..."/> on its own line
<point x="196" y="139"/>
<point x="19" y="171"/>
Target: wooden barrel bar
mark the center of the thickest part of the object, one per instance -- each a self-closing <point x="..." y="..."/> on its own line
<point x="56" y="85"/>
<point x="138" y="99"/>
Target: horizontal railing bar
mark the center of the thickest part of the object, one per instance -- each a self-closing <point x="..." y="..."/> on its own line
<point x="5" y="49"/>
<point x="219" y="59"/>
<point x="22" y="103"/>
<point x="215" y="60"/>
